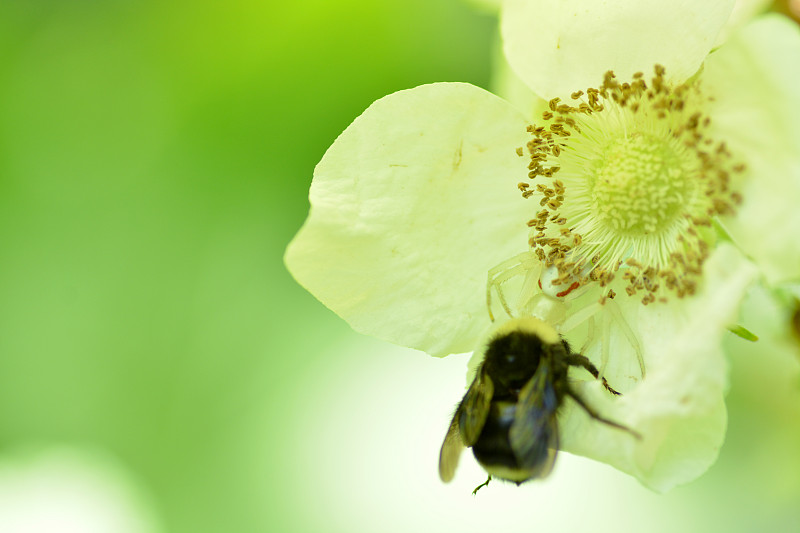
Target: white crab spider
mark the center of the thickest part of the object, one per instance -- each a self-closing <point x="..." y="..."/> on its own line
<point x="538" y="297"/>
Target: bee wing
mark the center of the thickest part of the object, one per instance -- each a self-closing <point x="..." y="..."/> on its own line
<point x="450" y="452"/>
<point x="466" y="425"/>
<point x="534" y="432"/>
<point x="474" y="408"/>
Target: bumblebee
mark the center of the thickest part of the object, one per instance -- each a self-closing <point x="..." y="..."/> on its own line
<point x="508" y="415"/>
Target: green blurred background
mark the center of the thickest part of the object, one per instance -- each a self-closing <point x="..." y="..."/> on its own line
<point x="155" y="159"/>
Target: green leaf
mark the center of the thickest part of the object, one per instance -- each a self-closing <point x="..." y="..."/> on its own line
<point x="743" y="332"/>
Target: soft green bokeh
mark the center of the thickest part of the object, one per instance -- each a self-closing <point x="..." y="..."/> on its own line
<point x="155" y="159"/>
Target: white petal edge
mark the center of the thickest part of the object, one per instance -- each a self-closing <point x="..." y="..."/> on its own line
<point x="753" y="80"/>
<point x="507" y="85"/>
<point x="743" y="12"/>
<point x="410" y="208"/>
<point x="679" y="408"/>
<point x="561" y="47"/>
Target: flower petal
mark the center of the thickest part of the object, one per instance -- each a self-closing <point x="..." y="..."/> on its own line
<point x="754" y="80"/>
<point x="561" y="47"/>
<point x="679" y="408"/>
<point x="506" y="84"/>
<point x="742" y="13"/>
<point x="410" y="208"/>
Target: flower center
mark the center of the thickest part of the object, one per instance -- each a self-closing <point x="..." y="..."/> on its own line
<point x="640" y="186"/>
<point x="639" y="183"/>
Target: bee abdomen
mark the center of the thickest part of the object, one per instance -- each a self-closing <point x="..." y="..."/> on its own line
<point x="493" y="449"/>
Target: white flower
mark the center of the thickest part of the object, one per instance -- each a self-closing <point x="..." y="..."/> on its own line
<point x="417" y="201"/>
<point x="559" y="47"/>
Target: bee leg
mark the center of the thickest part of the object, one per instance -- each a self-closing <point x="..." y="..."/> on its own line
<point x="474" y="492"/>
<point x="576" y="359"/>
<point x="609" y="389"/>
<point x="594" y="414"/>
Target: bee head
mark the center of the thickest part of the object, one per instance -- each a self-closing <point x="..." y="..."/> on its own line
<point x="514" y="348"/>
<point x="513" y="358"/>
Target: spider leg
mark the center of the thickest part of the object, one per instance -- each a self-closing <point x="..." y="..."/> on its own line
<point x="590" y="336"/>
<point x="578" y="318"/>
<point x="616" y="315"/>
<point x="503" y="272"/>
<point x="605" y="347"/>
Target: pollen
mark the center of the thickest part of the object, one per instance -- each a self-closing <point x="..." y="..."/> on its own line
<point x="640" y="181"/>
